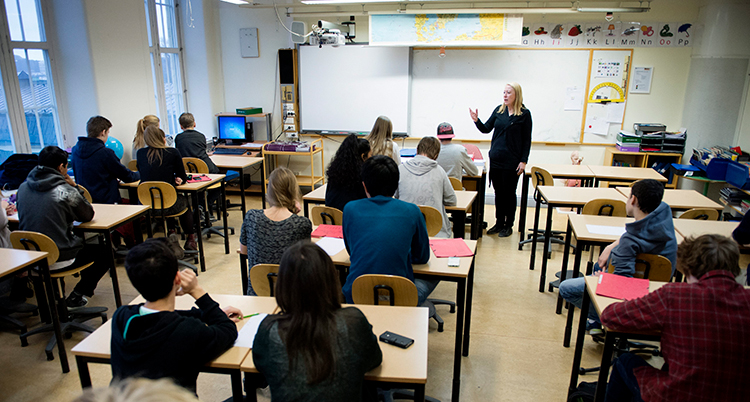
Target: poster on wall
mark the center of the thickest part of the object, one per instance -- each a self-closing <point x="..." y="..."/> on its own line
<point x="607" y="34"/>
<point x="641" y="83"/>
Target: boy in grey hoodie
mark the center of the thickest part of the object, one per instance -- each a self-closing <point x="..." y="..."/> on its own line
<point x="423" y="182"/>
<point x="651" y="233"/>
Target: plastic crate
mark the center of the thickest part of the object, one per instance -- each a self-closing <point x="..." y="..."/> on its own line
<point x="738" y="175"/>
<point x="716" y="169"/>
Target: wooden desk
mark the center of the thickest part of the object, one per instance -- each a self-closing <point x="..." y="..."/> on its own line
<point x="682" y="200"/>
<point x="557" y="196"/>
<point x="408" y="321"/>
<point x="15" y="260"/>
<point x="240" y="163"/>
<point x="464" y="201"/>
<point x="695" y="228"/>
<point x="622" y="173"/>
<point x="108" y="217"/>
<point x="600" y="303"/>
<point x="578" y="172"/>
<point x="463" y="276"/>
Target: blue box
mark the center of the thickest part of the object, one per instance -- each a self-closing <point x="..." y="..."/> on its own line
<point x="738" y="175"/>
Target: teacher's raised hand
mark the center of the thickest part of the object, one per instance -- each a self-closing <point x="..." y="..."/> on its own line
<point x="474" y="114"/>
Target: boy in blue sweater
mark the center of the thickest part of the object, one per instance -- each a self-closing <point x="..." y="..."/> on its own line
<point x="651" y="233"/>
<point x="384" y="235"/>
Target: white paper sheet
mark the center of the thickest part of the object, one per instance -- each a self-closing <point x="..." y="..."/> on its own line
<point x="598" y="125"/>
<point x="606" y="230"/>
<point x="615" y="112"/>
<point x="573" y="98"/>
<point x="331" y="245"/>
<point x="246" y="336"/>
<point x="641" y="80"/>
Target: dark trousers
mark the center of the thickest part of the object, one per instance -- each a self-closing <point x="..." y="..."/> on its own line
<point x="504" y="181"/>
<point x="622" y="386"/>
<point x="90" y="276"/>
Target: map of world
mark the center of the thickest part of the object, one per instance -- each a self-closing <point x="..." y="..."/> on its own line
<point x="444" y="29"/>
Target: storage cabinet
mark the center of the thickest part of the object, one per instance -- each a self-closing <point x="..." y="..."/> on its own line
<point x="614" y="157"/>
<point x="271" y="161"/>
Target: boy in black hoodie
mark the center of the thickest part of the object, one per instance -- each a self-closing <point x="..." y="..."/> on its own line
<point x="153" y="340"/>
<point x="49" y="201"/>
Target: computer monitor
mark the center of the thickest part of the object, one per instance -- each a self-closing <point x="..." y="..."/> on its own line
<point x="235" y="130"/>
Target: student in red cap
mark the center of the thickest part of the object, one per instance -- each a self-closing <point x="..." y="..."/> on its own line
<point x="453" y="158"/>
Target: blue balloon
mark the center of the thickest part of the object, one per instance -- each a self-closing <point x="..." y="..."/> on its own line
<point x="115" y="145"/>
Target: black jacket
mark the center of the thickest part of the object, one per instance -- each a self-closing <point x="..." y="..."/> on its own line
<point x="172" y="344"/>
<point x="511" y="140"/>
<point x="338" y="195"/>
<point x="192" y="144"/>
<point x="48" y="204"/>
<point x="97" y="168"/>
<point x="171" y="166"/>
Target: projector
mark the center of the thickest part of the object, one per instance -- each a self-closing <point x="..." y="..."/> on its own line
<point x="332" y="37"/>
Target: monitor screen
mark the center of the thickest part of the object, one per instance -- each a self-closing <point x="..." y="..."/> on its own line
<point x="232" y="127"/>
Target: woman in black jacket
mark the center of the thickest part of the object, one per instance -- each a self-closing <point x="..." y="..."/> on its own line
<point x="509" y="153"/>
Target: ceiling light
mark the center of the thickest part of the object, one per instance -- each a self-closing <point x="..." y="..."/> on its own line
<point x="241" y="2"/>
<point x="614" y="10"/>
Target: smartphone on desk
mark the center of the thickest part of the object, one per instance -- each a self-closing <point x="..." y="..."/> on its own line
<point x="396" y="339"/>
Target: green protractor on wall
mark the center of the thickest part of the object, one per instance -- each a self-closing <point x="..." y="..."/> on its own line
<point x="606" y="90"/>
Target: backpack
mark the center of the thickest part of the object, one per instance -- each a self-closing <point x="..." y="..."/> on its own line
<point x="584" y="393"/>
<point x="14" y="170"/>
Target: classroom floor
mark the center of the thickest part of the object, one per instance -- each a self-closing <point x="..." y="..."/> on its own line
<point x="516" y="338"/>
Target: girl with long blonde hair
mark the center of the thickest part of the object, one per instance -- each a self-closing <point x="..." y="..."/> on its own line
<point x="381" y="140"/>
<point x="139" y="142"/>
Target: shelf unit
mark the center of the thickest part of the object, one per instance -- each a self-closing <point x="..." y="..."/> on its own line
<point x="271" y="159"/>
<point x="615" y="157"/>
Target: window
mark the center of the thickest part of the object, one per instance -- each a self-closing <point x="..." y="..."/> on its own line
<point x="29" y="118"/>
<point x="166" y="62"/>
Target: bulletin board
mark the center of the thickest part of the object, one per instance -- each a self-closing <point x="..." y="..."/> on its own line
<point x="606" y="96"/>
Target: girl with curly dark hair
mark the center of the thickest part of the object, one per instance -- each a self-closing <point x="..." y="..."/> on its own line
<point x="344" y="181"/>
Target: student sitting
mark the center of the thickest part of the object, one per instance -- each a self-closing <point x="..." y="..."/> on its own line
<point x="381" y="139"/>
<point x="384" y="235"/>
<point x="156" y="162"/>
<point x="423" y="182"/>
<point x="48" y="202"/>
<point x="651" y="233"/>
<point x="453" y="158"/>
<point x="152" y="339"/>
<point x="266" y="233"/>
<point x="314" y="350"/>
<point x="192" y="143"/>
<point x="139" y="141"/>
<point x="704" y="326"/>
<point x="96" y="167"/>
<point x="344" y="172"/>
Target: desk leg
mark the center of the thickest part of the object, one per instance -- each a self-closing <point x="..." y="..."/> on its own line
<point x="224" y="214"/>
<point x="198" y="230"/>
<point x="112" y="267"/>
<point x="533" y="235"/>
<point x="601" y="385"/>
<point x="563" y="273"/>
<point x="482" y="194"/>
<point x="547" y="241"/>
<point x="571" y="308"/>
<point x="469" y="297"/>
<point x="306" y="206"/>
<point x="83" y="371"/>
<point x="459" y="224"/>
<point x="242" y="193"/>
<point x="476" y="225"/>
<point x="419" y="393"/>
<point x="44" y="270"/>
<point x="262" y="185"/>
<point x="579" y="342"/>
<point x="460" y="317"/>
<point x="524" y="204"/>
<point x="237" y="395"/>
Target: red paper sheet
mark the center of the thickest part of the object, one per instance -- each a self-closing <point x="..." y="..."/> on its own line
<point x="444" y="248"/>
<point x="621" y="287"/>
<point x="328" y="231"/>
<point x="198" y="179"/>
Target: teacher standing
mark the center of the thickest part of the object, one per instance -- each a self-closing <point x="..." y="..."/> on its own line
<point x="509" y="153"/>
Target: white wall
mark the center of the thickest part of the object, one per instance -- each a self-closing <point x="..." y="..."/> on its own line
<point x="121" y="64"/>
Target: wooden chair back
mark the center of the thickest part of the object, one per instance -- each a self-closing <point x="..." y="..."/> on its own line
<point x="457" y="185"/>
<point x="705" y="214"/>
<point x="605" y="207"/>
<point x="133" y="165"/>
<point x="433" y="219"/>
<point x="157" y="194"/>
<point x="387" y="290"/>
<point x="541" y="177"/>
<point x="86" y="193"/>
<point x="653" y="267"/>
<point x="326" y="215"/>
<point x="263" y="278"/>
<point x="34" y="241"/>
<point x="194" y="165"/>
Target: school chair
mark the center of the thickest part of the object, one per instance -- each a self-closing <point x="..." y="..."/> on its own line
<point x="322" y="215"/>
<point x="70" y="321"/>
<point x="195" y="165"/>
<point x="388" y="290"/>
<point x="433" y="219"/>
<point x="705" y="214"/>
<point x="86" y="193"/>
<point x="541" y="177"/>
<point x="160" y="196"/>
<point x="263" y="278"/>
<point x="133" y="165"/>
<point x="457" y="185"/>
<point x="8" y="307"/>
<point x="599" y="207"/>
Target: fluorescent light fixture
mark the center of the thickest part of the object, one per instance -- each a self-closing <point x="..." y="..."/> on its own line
<point x="481" y="11"/>
<point x="241" y="2"/>
<point x="324" y="2"/>
<point x="613" y="10"/>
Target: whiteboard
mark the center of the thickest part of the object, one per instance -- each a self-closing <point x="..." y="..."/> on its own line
<point x="346" y="88"/>
<point x="443" y="89"/>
